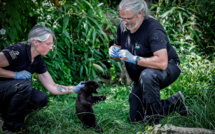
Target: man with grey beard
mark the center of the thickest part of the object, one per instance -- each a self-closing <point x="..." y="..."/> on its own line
<point x="17" y="63"/>
<point x="151" y="62"/>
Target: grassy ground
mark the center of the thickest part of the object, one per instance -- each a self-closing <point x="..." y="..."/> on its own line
<point x="197" y="84"/>
<point x="59" y="116"/>
<point x="112" y="115"/>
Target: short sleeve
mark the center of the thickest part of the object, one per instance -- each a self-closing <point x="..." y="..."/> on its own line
<point x="12" y="53"/>
<point x="157" y="40"/>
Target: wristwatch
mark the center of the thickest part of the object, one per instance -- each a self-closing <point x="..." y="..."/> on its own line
<point x="137" y="59"/>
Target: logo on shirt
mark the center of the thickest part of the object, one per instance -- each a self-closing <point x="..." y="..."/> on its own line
<point x="13" y="54"/>
<point x="136" y="46"/>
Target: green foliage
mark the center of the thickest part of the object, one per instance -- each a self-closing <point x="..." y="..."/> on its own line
<point x="84" y="31"/>
<point x="16" y="18"/>
<point x="82" y="43"/>
<point x="197" y="79"/>
<point x="188" y="23"/>
<point x="188" y="33"/>
<point x="202" y="110"/>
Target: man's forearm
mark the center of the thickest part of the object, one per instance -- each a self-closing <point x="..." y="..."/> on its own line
<point x="152" y="62"/>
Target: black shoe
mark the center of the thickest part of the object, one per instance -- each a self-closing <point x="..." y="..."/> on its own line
<point x="98" y="129"/>
<point x="7" y="132"/>
<point x="181" y="107"/>
<point x="11" y="131"/>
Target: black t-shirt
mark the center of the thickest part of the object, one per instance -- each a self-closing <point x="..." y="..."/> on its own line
<point x="19" y="58"/>
<point x="149" y="38"/>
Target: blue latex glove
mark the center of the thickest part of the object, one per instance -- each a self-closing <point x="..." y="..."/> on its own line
<point x="78" y="87"/>
<point x="113" y="51"/>
<point x="22" y="75"/>
<point x="127" y="56"/>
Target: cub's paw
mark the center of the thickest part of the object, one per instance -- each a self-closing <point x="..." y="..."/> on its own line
<point x="103" y="97"/>
<point x="98" y="129"/>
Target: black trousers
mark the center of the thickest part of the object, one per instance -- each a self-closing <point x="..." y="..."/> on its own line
<point x="17" y="97"/>
<point x="144" y="98"/>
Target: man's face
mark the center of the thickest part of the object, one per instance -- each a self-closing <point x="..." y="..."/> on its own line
<point x="44" y="46"/>
<point x="129" y="19"/>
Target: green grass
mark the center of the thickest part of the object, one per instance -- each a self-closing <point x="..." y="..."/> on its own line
<point x="197" y="84"/>
<point x="59" y="116"/>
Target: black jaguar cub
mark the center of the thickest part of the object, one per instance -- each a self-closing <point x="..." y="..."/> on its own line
<point x="84" y="103"/>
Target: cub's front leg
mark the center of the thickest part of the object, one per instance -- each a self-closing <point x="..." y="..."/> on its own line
<point x="96" y="99"/>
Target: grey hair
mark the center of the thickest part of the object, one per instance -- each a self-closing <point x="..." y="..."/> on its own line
<point x="135" y="6"/>
<point x="40" y="33"/>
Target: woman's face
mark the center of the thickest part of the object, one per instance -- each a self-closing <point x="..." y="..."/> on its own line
<point x="44" y="46"/>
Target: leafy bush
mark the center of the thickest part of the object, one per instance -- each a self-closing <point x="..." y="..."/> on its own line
<point x="82" y="43"/>
<point x="84" y="31"/>
<point x="188" y="23"/>
<point x="16" y="19"/>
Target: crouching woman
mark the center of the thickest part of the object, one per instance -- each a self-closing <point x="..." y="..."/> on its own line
<point x="17" y="63"/>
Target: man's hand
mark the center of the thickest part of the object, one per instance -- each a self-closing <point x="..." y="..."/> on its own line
<point x="113" y="52"/>
<point x="22" y="75"/>
<point x="127" y="56"/>
<point x="78" y="87"/>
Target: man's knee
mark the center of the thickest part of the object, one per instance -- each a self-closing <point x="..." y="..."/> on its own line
<point x="150" y="76"/>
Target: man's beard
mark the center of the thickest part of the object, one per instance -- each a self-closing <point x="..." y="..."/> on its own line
<point x="133" y="26"/>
